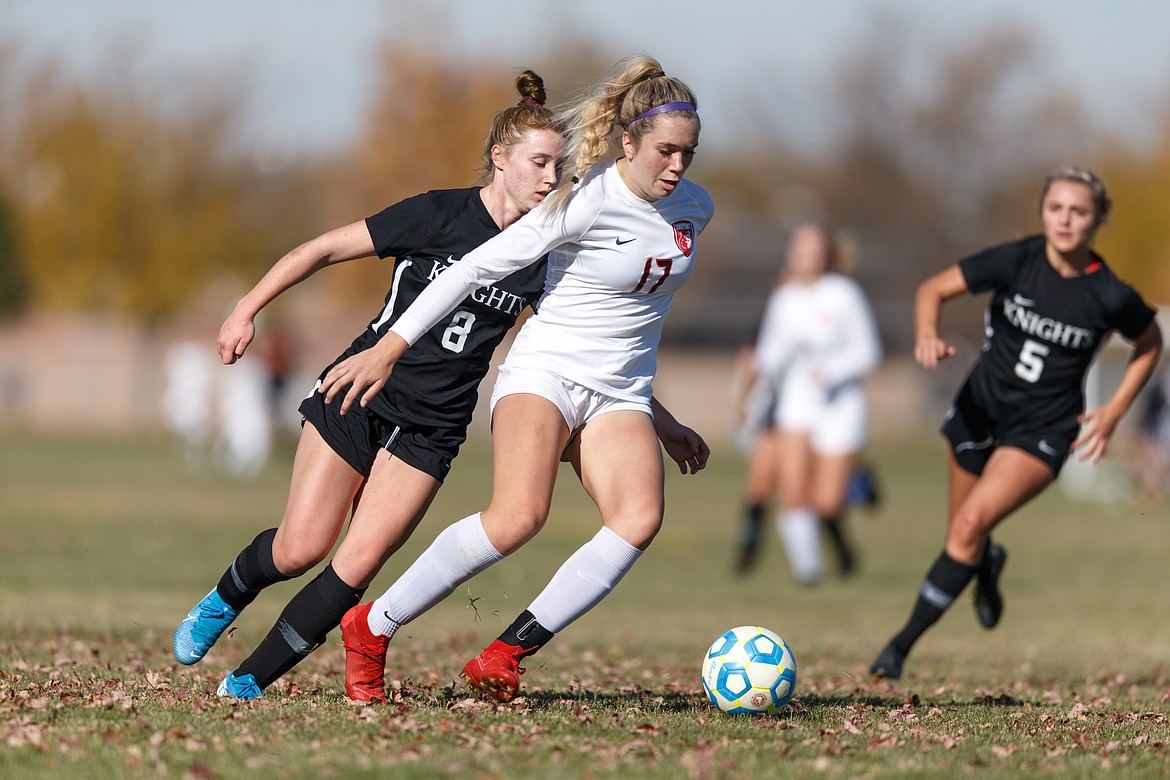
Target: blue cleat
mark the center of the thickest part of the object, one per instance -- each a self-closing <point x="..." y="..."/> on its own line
<point x="202" y="627"/>
<point x="243" y="687"/>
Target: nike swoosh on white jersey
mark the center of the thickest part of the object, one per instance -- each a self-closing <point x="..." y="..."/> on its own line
<point x="1022" y="301"/>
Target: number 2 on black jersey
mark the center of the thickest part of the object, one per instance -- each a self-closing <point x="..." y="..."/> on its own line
<point x="664" y="263"/>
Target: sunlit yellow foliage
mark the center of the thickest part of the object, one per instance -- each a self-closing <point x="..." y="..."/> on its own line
<point x="424" y="130"/>
<point x="133" y="200"/>
<point x="1137" y="242"/>
<point x="120" y="205"/>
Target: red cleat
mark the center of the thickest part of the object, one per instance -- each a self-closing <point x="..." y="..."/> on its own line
<point x="365" y="657"/>
<point x="496" y="670"/>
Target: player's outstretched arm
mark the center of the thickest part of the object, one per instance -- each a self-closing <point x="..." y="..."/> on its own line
<point x="1098" y="424"/>
<point x="336" y="246"/>
<point x="929" y="347"/>
<point x="684" y="445"/>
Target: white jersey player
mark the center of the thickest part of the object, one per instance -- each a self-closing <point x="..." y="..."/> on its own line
<point x="817" y="342"/>
<point x="615" y="262"/>
<point x="577" y="382"/>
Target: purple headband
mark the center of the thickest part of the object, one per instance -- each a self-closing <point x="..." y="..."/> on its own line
<point x="677" y="106"/>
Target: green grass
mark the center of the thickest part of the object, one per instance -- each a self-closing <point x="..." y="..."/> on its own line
<point x="107" y="544"/>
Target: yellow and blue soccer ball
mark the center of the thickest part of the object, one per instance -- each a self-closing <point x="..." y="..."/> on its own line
<point x="749" y="670"/>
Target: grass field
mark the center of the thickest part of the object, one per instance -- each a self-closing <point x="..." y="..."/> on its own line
<point x="107" y="543"/>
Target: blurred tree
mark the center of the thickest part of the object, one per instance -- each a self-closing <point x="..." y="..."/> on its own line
<point x="430" y="113"/>
<point x="937" y="158"/>
<point x="424" y="130"/>
<point x="130" y="197"/>
<point x="14" y="289"/>
<point x="13" y="282"/>
<point x="1137" y="240"/>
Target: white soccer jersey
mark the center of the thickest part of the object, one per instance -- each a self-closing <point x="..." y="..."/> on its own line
<point x="817" y="340"/>
<point x="615" y="262"/>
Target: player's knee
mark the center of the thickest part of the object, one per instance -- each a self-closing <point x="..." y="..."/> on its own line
<point x="829" y="507"/>
<point x="510" y="528"/>
<point x="639" y="528"/>
<point x="295" y="559"/>
<point x="966" y="536"/>
<point x="359" y="567"/>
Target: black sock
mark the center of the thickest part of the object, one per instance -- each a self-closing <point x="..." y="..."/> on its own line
<point x="835" y="530"/>
<point x="527" y="633"/>
<point x="302" y="627"/>
<point x="943" y="584"/>
<point x="983" y="568"/>
<point x="753" y="522"/>
<point x="252" y="571"/>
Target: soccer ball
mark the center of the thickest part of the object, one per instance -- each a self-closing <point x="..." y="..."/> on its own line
<point x="749" y="671"/>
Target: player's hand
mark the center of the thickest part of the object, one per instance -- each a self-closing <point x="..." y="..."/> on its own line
<point x="685" y="447"/>
<point x="364" y="373"/>
<point x="235" y="335"/>
<point x="930" y="351"/>
<point x="1097" y="426"/>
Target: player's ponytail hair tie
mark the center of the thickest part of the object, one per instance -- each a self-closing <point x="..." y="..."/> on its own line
<point x="530" y="101"/>
<point x="675" y="106"/>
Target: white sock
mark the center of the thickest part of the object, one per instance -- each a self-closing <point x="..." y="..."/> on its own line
<point x="460" y="552"/>
<point x="801" y="532"/>
<point x="584" y="580"/>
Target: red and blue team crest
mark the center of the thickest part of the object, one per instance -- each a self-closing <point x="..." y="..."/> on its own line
<point x="684" y="236"/>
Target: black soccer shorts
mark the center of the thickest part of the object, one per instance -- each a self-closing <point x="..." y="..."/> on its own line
<point x="974" y="435"/>
<point x="358" y="435"/>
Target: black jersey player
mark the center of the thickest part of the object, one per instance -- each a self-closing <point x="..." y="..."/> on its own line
<point x="1021" y="411"/>
<point x="385" y="460"/>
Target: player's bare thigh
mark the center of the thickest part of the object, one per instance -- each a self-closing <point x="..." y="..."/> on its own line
<point x="321" y="492"/>
<point x="830" y="482"/>
<point x="761" y="468"/>
<point x="794" y="467"/>
<point x="959" y="484"/>
<point x="619" y="461"/>
<point x="391" y="504"/>
<point x="529" y="434"/>
<point x="1011" y="478"/>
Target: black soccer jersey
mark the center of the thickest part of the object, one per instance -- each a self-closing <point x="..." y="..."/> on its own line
<point x="434" y="384"/>
<point x="1043" y="331"/>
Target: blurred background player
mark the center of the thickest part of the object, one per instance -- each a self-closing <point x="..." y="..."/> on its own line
<point x="1021" y="411"/>
<point x="385" y="460"/>
<point x="753" y="402"/>
<point x="1152" y="467"/>
<point x="817" y="342"/>
<point x="188" y="393"/>
<point x="223" y="419"/>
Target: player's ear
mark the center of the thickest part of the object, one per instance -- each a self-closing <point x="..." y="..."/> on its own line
<point x="628" y="145"/>
<point x="499" y="156"/>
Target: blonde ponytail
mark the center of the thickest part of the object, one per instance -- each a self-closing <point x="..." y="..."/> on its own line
<point x="635" y="85"/>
